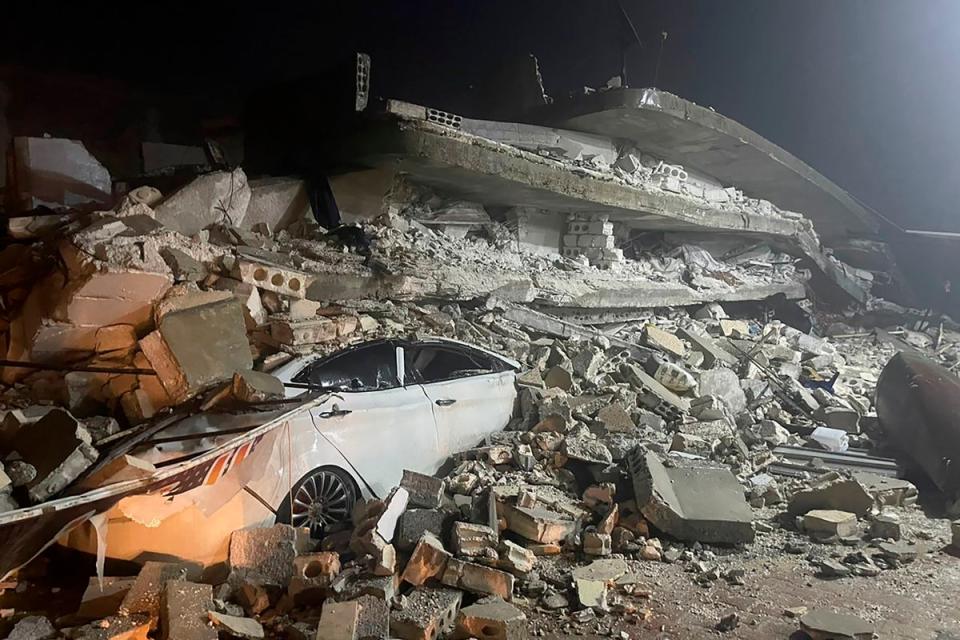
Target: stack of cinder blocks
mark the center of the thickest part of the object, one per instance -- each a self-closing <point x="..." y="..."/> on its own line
<point x="593" y="239"/>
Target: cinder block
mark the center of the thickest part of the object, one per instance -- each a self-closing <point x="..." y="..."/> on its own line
<point x="427" y="614"/>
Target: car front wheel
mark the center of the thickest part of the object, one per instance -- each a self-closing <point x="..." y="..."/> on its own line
<point x="320" y="500"/>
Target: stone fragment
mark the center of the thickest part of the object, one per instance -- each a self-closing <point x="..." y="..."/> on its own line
<point x="586" y="364"/>
<point x="538" y="524"/>
<point x="663" y="340"/>
<point x="823" y="624"/>
<point x="832" y="492"/>
<point x="477" y="579"/>
<point x="840" y="418"/>
<point x="724" y="384"/>
<point x="183" y="611"/>
<point x="712" y="354"/>
<point x="886" y="491"/>
<point x="587" y="449"/>
<point x="58" y="448"/>
<point x="244" y="628"/>
<point x="473" y="540"/>
<point x="254" y="386"/>
<point x="830" y="568"/>
<point x="145" y="592"/>
<point x="829" y="522"/>
<point x="734" y="328"/>
<point x="423" y="490"/>
<point x="900" y="551"/>
<point x="429" y="559"/>
<point x="339" y="621"/>
<point x="697" y="504"/>
<point x="597" y="544"/>
<point x="426" y="614"/>
<point x="885" y="526"/>
<point x="183" y="266"/>
<point x="592" y="581"/>
<point x="559" y="377"/>
<point x="728" y="622"/>
<point x="490" y="619"/>
<point x="615" y="419"/>
<point x="267" y="555"/>
<point x="220" y="196"/>
<point x="706" y="408"/>
<point x="33" y="628"/>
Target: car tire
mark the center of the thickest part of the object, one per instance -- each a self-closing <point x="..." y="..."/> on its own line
<point x="320" y="500"/>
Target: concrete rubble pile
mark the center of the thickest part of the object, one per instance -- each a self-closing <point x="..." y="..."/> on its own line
<point x="680" y="435"/>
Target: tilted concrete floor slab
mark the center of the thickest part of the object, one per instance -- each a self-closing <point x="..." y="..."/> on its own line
<point x="680" y="131"/>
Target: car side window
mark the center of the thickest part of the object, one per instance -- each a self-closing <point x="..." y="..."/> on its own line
<point x="436" y="363"/>
<point x="370" y="368"/>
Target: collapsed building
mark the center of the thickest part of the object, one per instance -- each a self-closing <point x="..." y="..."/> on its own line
<point x="687" y="302"/>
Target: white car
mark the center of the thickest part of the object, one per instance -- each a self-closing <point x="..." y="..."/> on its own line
<point x="396" y="405"/>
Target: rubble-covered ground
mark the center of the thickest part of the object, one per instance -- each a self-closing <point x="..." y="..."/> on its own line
<point x="658" y="476"/>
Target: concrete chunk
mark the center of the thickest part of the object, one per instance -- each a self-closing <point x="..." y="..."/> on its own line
<point x="220" y="196"/>
<point x="373" y="622"/>
<point x="183" y="369"/>
<point x="615" y="419"/>
<point x="415" y="522"/>
<point x="145" y="593"/>
<point x="426" y="615"/>
<point x="593" y="580"/>
<point x="33" y="628"/>
<point x="724" y="384"/>
<point x="663" y="340"/>
<point x="696" y="504"/>
<point x="823" y="624"/>
<point x="830" y="522"/>
<point x="339" y="620"/>
<point x="245" y="628"/>
<point x="276" y="202"/>
<point x="183" y="611"/>
<point x="59" y="448"/>
<point x="266" y="556"/>
<point x="254" y="386"/>
<point x="102" y="600"/>
<point x="134" y="627"/>
<point x="312" y="574"/>
<point x="473" y="540"/>
<point x="833" y="492"/>
<point x="490" y="619"/>
<point x="423" y="490"/>
<point x="712" y="354"/>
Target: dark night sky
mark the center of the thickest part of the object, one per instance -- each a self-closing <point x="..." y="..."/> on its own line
<point x="863" y="90"/>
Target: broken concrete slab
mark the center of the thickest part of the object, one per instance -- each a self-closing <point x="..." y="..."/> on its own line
<point x="236" y="626"/>
<point x="887" y="491"/>
<point x="830" y="522"/>
<point x="697" y="504"/>
<point x="832" y="492"/>
<point x="615" y="419"/>
<point x="339" y="621"/>
<point x="426" y="614"/>
<point x="823" y="624"/>
<point x="220" y="196"/>
<point x="183" y="611"/>
<point x="58" y="447"/>
<point x="266" y="556"/>
<point x="490" y="619"/>
<point x="414" y="523"/>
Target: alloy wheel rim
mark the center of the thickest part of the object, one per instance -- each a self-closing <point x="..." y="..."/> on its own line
<point x="322" y="500"/>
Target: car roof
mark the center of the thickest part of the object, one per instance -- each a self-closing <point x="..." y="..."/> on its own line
<point x="403" y="342"/>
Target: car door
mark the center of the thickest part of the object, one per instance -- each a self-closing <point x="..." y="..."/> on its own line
<point x="471" y="392"/>
<point x="378" y="425"/>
